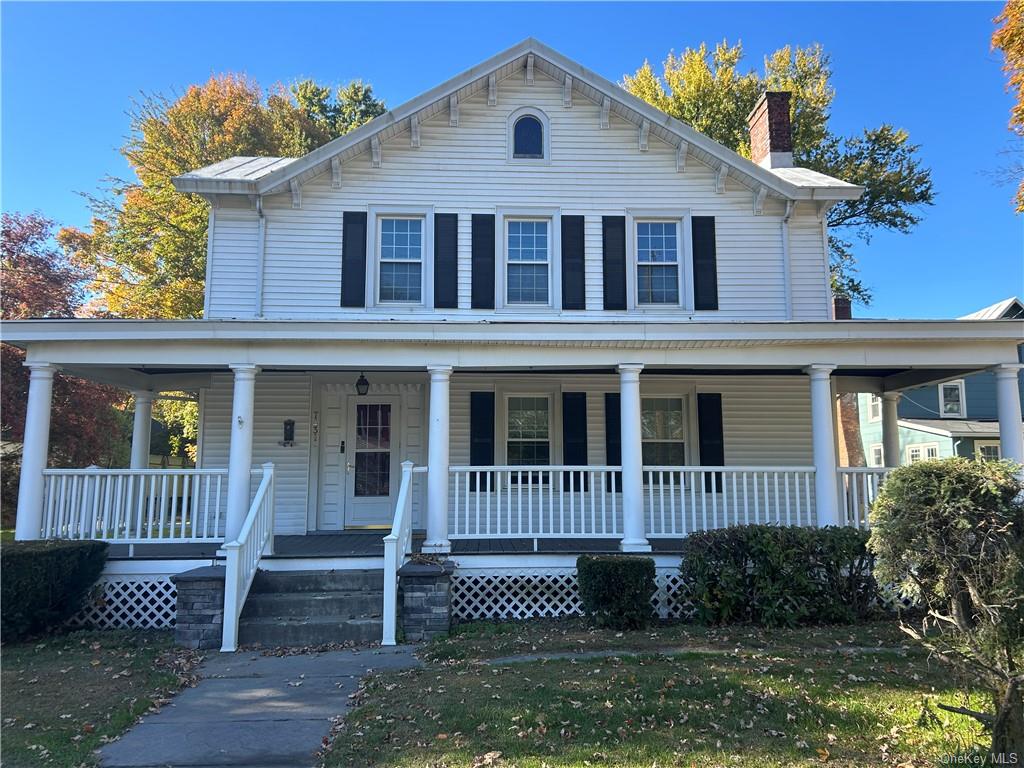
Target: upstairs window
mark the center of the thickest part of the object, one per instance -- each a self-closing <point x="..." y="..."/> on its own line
<point x="528" y="138"/>
<point x="951" y="400"/>
<point x="874" y="408"/>
<point x="528" y="262"/>
<point x="657" y="262"/>
<point x="401" y="260"/>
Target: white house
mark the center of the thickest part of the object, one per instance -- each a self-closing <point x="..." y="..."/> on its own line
<point x="525" y="313"/>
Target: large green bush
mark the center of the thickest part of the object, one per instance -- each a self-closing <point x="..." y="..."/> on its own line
<point x="779" y="576"/>
<point x="950" y="533"/>
<point x="43" y="584"/>
<point x="616" y="590"/>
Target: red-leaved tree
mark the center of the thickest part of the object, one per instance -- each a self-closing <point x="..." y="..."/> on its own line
<point x="87" y="423"/>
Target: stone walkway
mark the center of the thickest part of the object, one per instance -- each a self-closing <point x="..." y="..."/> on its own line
<point x="252" y="710"/>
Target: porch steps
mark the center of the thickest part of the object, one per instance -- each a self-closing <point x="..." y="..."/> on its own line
<point x="299" y="608"/>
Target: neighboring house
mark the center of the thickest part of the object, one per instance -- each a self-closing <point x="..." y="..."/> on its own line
<point x="958" y="417"/>
<point x="524" y="315"/>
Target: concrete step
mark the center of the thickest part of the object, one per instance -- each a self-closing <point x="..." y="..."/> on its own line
<point x="294" y="632"/>
<point x="351" y="604"/>
<point x="317" y="581"/>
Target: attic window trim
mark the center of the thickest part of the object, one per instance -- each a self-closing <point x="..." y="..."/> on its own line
<point x="545" y="125"/>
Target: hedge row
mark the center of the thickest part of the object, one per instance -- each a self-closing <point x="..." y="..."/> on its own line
<point x="44" y="583"/>
<point x="779" y="576"/>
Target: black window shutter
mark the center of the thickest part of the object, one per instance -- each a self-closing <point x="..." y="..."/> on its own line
<point x="481" y="434"/>
<point x="353" y="259"/>
<point x="446" y="260"/>
<point x="573" y="263"/>
<point x="710" y="437"/>
<point x="613" y="240"/>
<point x="483" y="261"/>
<point x="574" y="438"/>
<point x="613" y="436"/>
<point x="705" y="266"/>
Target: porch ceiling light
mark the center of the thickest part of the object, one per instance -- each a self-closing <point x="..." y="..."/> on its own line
<point x="362" y="385"/>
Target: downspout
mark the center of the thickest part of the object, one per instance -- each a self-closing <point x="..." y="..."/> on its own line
<point x="260" y="248"/>
<point x="786" y="290"/>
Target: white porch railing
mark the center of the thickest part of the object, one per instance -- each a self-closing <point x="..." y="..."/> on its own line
<point x="242" y="555"/>
<point x="680" y="500"/>
<point x="858" y="489"/>
<point x="536" y="502"/>
<point x="397" y="546"/>
<point x="134" y="506"/>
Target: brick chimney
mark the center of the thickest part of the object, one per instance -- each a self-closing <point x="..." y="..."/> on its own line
<point x="842" y="308"/>
<point x="771" y="136"/>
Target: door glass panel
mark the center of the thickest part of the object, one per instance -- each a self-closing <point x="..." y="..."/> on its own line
<point x="373" y="454"/>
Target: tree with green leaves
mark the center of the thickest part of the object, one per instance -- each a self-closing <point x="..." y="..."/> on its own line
<point x="147" y="243"/>
<point x="708" y="90"/>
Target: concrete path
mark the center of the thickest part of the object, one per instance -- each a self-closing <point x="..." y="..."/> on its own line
<point x="252" y="710"/>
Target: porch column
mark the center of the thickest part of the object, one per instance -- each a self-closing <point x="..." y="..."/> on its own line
<point x="826" y="492"/>
<point x="1011" y="441"/>
<point x="891" y="428"/>
<point x="240" y="451"/>
<point x="34" y="451"/>
<point x="141" y="428"/>
<point x="633" y="536"/>
<point x="437" y="461"/>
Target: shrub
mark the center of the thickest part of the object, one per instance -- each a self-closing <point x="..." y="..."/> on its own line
<point x="951" y="534"/>
<point x="779" y="576"/>
<point x="616" y="591"/>
<point x="43" y="583"/>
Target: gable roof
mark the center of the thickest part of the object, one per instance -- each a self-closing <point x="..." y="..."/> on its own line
<point x="271" y="175"/>
<point x="1007" y="309"/>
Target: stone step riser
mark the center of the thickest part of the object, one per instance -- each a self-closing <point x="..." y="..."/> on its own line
<point x="300" y="633"/>
<point x="290" y="582"/>
<point x="344" y="605"/>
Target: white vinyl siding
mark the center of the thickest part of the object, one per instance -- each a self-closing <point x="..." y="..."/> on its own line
<point x="592" y="172"/>
<point x="233" y="267"/>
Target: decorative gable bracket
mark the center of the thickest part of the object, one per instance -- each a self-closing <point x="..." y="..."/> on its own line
<point x="643" y="135"/>
<point x="492" y="90"/>
<point x="414" y="131"/>
<point x="723" y="171"/>
<point x="375" y="152"/>
<point x="822" y="207"/>
<point x="296" y="190"/>
<point x="759" y="196"/>
<point x="529" y="69"/>
<point x="567" y="91"/>
<point x="681" y="150"/>
<point x="453" y="111"/>
<point x="606" y="109"/>
<point x="336" y="172"/>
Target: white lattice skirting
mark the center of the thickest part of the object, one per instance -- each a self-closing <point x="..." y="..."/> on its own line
<point x="524" y="593"/>
<point x="129" y="603"/>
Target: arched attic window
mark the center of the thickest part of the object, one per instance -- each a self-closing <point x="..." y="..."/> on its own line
<point x="528" y="135"/>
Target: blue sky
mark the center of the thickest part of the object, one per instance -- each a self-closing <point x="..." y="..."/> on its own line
<point x="69" y="72"/>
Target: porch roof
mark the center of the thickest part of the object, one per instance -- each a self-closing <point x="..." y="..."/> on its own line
<point x="869" y="355"/>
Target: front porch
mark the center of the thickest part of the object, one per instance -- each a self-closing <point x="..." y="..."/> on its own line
<point x="530" y="441"/>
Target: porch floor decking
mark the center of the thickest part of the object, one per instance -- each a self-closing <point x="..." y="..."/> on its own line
<point x="371" y="544"/>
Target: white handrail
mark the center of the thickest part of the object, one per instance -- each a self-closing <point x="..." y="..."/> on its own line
<point x="243" y="555"/>
<point x="134" y="506"/>
<point x="858" y="489"/>
<point x="397" y="545"/>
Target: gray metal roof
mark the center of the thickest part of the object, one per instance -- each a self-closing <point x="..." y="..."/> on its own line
<point x="242" y="168"/>
<point x="956" y="427"/>
<point x="1010" y="308"/>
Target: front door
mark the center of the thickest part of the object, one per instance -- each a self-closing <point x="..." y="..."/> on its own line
<point x="360" y="463"/>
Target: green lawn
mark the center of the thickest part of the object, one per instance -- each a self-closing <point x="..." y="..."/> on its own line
<point x="64" y="697"/>
<point x="735" y="696"/>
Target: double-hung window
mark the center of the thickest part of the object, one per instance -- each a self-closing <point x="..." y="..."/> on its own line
<point x="401" y="260"/>
<point x="874" y="408"/>
<point x="529" y="430"/>
<point x="528" y="262"/>
<point x="657" y="263"/>
<point x="922" y="452"/>
<point x="951" y="400"/>
<point x="987" y="450"/>
<point x="663" y="431"/>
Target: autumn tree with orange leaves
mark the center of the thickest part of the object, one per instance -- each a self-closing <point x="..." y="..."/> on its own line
<point x="1009" y="38"/>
